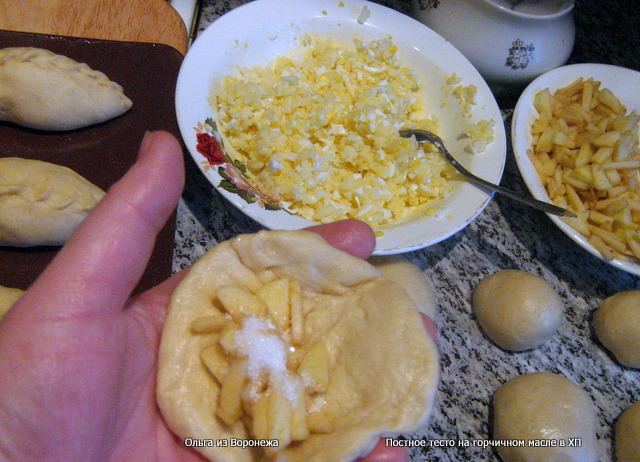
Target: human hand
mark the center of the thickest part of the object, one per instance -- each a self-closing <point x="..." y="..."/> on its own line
<point x="78" y="355"/>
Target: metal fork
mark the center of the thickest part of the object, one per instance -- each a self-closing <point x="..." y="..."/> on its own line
<point x="423" y="136"/>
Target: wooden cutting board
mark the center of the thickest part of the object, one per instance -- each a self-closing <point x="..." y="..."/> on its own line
<point x="153" y="21"/>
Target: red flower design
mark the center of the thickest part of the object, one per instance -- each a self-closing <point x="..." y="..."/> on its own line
<point x="209" y="147"/>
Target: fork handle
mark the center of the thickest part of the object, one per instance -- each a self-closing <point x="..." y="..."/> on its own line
<point x="540" y="205"/>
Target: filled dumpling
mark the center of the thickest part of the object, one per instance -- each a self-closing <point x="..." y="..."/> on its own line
<point x="47" y="91"/>
<point x="42" y="203"/>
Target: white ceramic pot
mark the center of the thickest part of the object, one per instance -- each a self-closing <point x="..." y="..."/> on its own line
<point x="510" y="42"/>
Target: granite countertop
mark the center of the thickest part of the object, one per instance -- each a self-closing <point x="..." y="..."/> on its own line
<point x="505" y="236"/>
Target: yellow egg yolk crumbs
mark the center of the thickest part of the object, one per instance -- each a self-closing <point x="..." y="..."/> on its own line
<point x="318" y="132"/>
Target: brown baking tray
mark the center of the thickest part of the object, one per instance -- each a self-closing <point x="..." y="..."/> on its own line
<point x="101" y="153"/>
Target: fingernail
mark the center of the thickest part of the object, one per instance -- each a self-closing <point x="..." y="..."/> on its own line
<point x="146" y="141"/>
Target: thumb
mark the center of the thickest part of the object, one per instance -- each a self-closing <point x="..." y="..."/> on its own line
<point x="102" y="263"/>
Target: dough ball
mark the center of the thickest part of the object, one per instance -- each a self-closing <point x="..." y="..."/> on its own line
<point x="8" y="296"/>
<point x="628" y="435"/>
<point x="517" y="310"/>
<point x="411" y="278"/>
<point x="617" y="325"/>
<point x="545" y="407"/>
<point x="46" y="91"/>
<point x="42" y="203"/>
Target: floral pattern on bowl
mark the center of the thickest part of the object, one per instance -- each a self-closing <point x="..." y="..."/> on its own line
<point x="233" y="175"/>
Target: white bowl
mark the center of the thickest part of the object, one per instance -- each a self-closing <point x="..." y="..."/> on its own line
<point x="509" y="45"/>
<point x="257" y="32"/>
<point x="622" y="82"/>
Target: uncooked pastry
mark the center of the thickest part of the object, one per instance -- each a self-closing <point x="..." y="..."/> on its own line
<point x="8" y="296"/>
<point x="383" y="366"/>
<point x="616" y="323"/>
<point x="42" y="203"/>
<point x="47" y="91"/>
<point x="517" y="309"/>
<point x="409" y="276"/>
<point x="628" y="434"/>
<point x="548" y="410"/>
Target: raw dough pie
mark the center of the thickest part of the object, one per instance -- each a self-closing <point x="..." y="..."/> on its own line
<point x="46" y="91"/>
<point x="42" y="203"/>
<point x="279" y="336"/>
<point x="8" y="296"/>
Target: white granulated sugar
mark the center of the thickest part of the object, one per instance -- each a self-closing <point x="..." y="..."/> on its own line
<point x="266" y="353"/>
<point x="258" y="341"/>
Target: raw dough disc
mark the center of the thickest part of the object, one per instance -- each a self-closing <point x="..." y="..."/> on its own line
<point x="383" y="366"/>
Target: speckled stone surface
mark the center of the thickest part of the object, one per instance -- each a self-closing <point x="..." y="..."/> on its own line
<point x="505" y="236"/>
